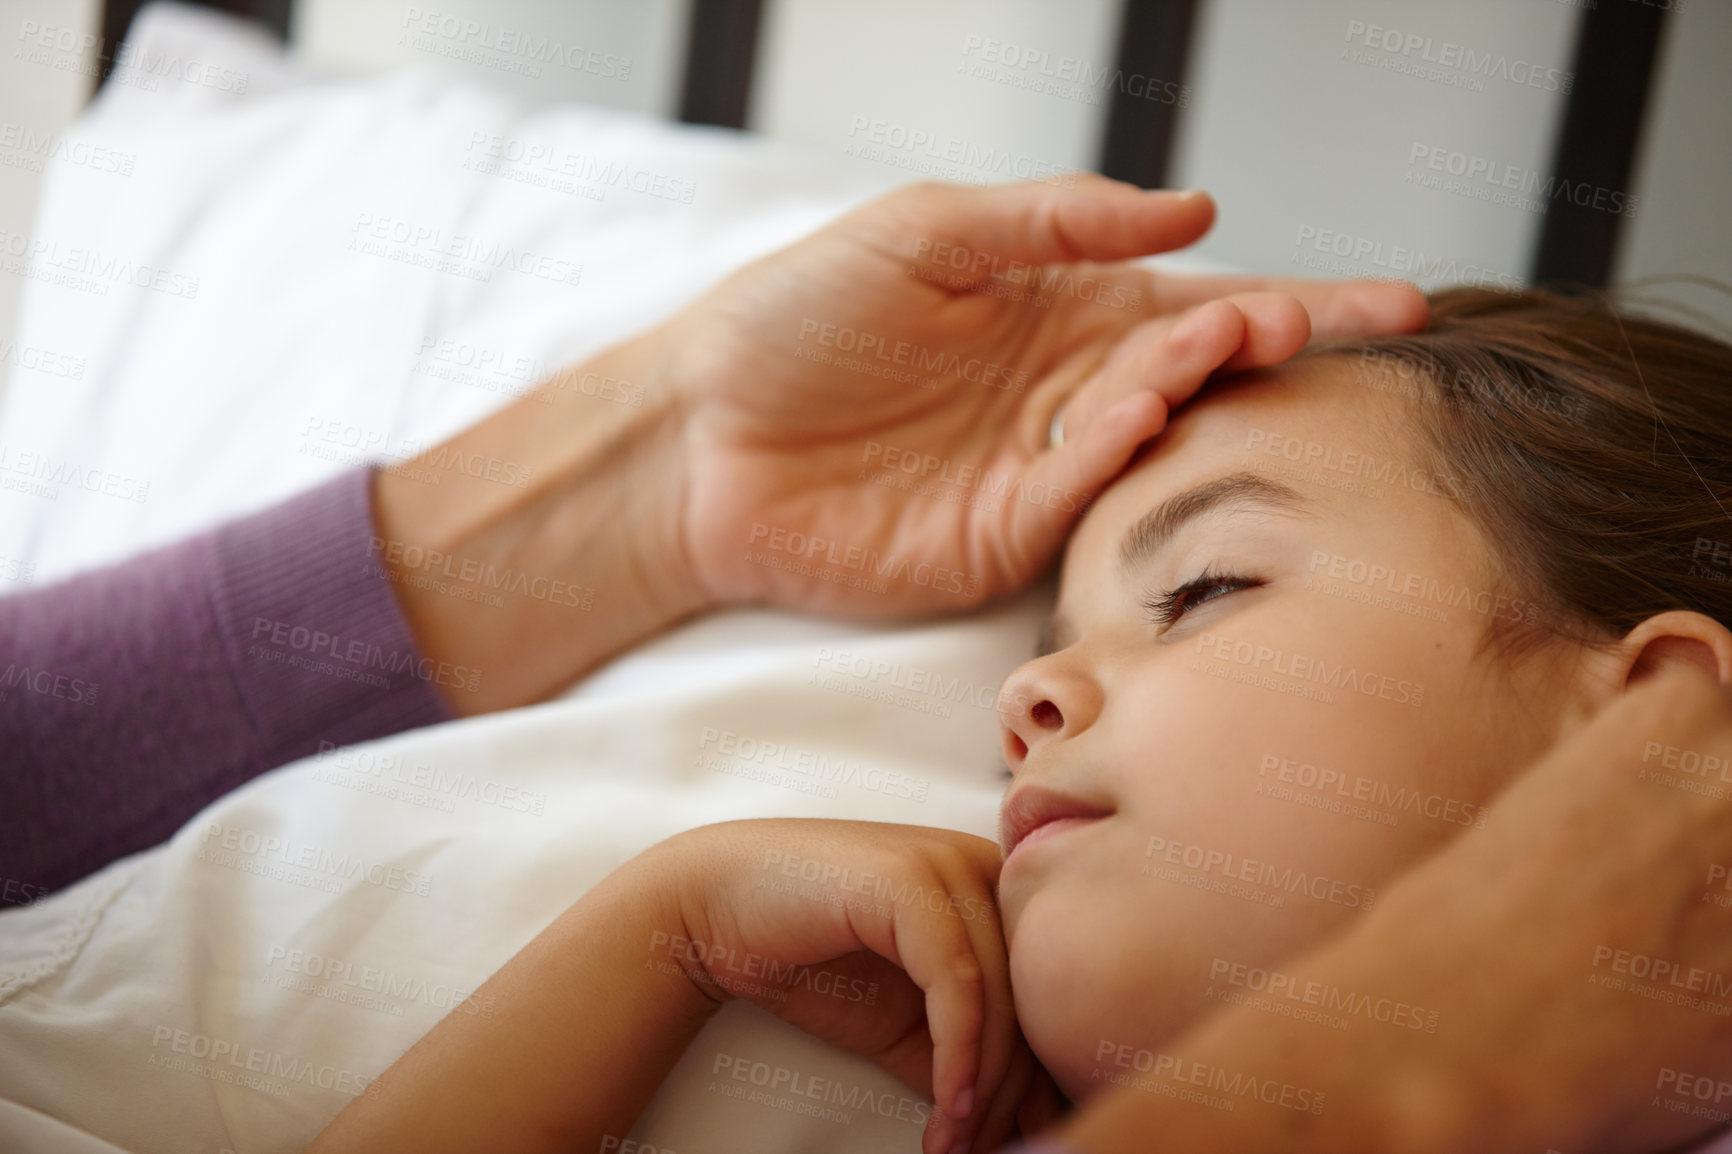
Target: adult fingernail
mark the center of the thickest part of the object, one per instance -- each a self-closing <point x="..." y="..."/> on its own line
<point x="963" y="1103"/>
<point x="959" y="1148"/>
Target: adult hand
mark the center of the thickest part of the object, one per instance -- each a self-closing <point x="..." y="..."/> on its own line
<point x="1576" y="951"/>
<point x="869" y="409"/>
<point x="775" y="409"/>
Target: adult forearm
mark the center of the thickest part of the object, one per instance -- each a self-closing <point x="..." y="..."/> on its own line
<point x="533" y="546"/>
<point x="133" y="696"/>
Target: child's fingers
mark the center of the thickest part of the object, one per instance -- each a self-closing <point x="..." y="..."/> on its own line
<point x="1042" y="1105"/>
<point x="939" y="956"/>
<point x="999" y="1035"/>
<point x="945" y="1020"/>
<point x="998" y="1122"/>
<point x="953" y="948"/>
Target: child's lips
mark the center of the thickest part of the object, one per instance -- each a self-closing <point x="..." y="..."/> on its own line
<point x="1034" y="814"/>
<point x="1050" y="830"/>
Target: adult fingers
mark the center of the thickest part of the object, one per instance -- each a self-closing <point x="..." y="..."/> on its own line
<point x="1338" y="308"/>
<point x="1036" y="223"/>
<point x="1271" y="327"/>
<point x="1178" y="356"/>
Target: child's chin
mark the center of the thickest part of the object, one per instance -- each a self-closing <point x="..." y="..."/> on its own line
<point x="1095" y="1008"/>
<point x="1058" y="996"/>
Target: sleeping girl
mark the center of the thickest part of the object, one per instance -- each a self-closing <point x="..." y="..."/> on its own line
<point x="1301" y="643"/>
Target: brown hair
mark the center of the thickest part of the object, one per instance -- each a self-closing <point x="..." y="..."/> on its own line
<point x="1593" y="448"/>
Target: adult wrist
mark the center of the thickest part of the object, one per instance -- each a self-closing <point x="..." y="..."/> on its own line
<point x="538" y="543"/>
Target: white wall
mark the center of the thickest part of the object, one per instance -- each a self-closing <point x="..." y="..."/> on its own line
<point x="971" y="90"/>
<point x="638" y="45"/>
<point x="1682" y="225"/>
<point x="1305" y="135"/>
<point x="41" y="90"/>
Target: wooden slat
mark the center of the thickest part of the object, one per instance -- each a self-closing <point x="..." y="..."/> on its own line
<point x="1147" y="93"/>
<point x="1617" y="50"/>
<point x="117" y="17"/>
<point x="720" y="53"/>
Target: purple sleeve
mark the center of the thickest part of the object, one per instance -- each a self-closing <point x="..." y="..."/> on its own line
<point x="133" y="696"/>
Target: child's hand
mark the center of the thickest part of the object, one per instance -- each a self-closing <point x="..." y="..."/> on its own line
<point x="881" y="939"/>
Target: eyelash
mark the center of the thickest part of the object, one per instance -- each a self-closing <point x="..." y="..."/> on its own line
<point x="1166" y="608"/>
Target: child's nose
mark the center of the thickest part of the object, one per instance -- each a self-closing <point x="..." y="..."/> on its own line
<point x="1025" y="729"/>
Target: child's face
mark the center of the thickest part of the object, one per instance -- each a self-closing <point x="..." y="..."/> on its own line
<point x="1277" y="753"/>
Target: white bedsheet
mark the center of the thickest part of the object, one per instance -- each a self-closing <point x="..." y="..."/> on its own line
<point x="206" y="996"/>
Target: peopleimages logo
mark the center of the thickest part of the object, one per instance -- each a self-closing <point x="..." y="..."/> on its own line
<point x="1071" y="77"/>
<point x="88" y="269"/>
<point x="861" y="560"/>
<point x="227" y="1059"/>
<point x="799" y="1092"/>
<point x="31" y="149"/>
<point x="1286" y="879"/>
<point x="1332" y="785"/>
<point x="1486" y="179"/>
<point x="1311" y="668"/>
<point x="920" y="148"/>
<point x="47" y="683"/>
<point x="282" y="640"/>
<point x="1330" y="999"/>
<point x="51" y="473"/>
<point x="918" y="358"/>
<point x="344" y="980"/>
<point x="431" y="246"/>
<point x="42" y="360"/>
<point x="1448" y="60"/>
<point x="233" y="846"/>
<point x="724" y="963"/>
<point x="743" y="750"/>
<point x="1213" y="1086"/>
<point x="468" y="39"/>
<point x="1345" y="254"/>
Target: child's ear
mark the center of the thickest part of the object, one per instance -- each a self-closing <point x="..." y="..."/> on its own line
<point x="1663" y="641"/>
<point x="1666" y="639"/>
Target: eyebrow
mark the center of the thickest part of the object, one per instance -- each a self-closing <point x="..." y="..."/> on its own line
<point x="1156" y="529"/>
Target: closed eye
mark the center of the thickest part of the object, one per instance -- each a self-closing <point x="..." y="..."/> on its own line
<point x="1167" y="607"/>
